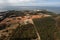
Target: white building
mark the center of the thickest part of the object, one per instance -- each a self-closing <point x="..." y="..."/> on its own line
<point x="1" y="17"/>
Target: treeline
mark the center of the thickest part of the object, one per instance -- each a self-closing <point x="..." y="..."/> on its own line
<point x="24" y="12"/>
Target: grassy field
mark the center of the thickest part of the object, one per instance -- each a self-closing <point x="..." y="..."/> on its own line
<point x="46" y="27"/>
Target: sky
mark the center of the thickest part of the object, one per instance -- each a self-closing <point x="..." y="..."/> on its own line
<point x="29" y="3"/>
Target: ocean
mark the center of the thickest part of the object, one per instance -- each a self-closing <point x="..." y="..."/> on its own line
<point x="52" y="9"/>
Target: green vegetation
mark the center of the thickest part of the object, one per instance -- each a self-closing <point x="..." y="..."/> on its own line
<point x="25" y="32"/>
<point x="58" y="27"/>
<point x="16" y="13"/>
<point x="2" y="26"/>
<point x="46" y="27"/>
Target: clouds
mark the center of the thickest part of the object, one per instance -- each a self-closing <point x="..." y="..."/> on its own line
<point x="10" y="4"/>
<point x="1" y="1"/>
<point x="15" y="1"/>
<point x="29" y="2"/>
<point x="47" y="4"/>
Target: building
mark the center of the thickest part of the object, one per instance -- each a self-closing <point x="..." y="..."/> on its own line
<point x="1" y="17"/>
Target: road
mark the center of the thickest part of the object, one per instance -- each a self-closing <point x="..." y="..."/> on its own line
<point x="31" y="21"/>
<point x="39" y="38"/>
<point x="16" y="32"/>
<point x="22" y="19"/>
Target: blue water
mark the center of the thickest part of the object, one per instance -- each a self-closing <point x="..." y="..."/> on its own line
<point x="53" y="9"/>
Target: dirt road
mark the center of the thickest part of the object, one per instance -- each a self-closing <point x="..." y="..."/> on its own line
<point x="31" y="21"/>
